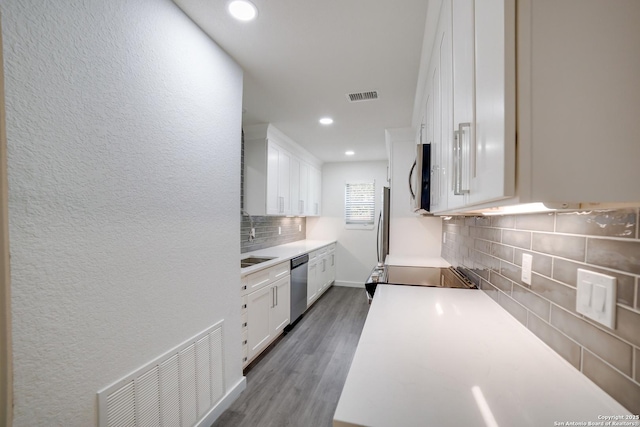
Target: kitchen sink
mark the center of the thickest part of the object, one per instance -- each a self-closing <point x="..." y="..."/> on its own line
<point x="248" y="262"/>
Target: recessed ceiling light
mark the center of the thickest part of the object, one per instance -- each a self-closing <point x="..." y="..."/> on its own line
<point x="349" y="153"/>
<point x="242" y="10"/>
<point x="326" y="120"/>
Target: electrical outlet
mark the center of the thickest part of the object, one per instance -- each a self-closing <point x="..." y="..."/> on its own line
<point x="299" y="227"/>
<point x="279" y="230"/>
<point x="527" y="263"/>
<point x="444" y="237"/>
<point x="596" y="297"/>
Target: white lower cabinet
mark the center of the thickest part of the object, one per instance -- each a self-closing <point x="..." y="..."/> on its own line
<point x="322" y="272"/>
<point x="267" y="315"/>
<point x="266" y="299"/>
<point x="312" y="281"/>
<point x="265" y="308"/>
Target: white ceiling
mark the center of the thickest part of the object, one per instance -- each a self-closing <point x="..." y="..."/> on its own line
<point x="301" y="58"/>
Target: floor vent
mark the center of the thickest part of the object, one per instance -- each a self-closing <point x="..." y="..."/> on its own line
<point x="177" y="389"/>
<point x="362" y="96"/>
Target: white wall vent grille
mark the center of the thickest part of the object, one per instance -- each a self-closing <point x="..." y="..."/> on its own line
<point x="362" y="96"/>
<point x="178" y="389"/>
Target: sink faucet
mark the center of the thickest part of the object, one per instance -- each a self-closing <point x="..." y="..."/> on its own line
<point x="252" y="230"/>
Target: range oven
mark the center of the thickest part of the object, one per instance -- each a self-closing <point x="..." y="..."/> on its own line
<point x="441" y="277"/>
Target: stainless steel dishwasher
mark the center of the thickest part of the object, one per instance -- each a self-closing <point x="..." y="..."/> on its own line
<point x="299" y="273"/>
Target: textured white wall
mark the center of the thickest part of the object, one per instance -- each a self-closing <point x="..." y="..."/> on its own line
<point x="356" y="249"/>
<point x="123" y="124"/>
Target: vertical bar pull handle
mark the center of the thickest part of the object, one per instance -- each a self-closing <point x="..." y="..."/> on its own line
<point x="461" y="159"/>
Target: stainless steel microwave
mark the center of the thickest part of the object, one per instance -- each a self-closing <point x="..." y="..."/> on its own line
<point x="420" y="179"/>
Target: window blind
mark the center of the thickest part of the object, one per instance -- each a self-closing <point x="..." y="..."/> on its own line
<point x="360" y="203"/>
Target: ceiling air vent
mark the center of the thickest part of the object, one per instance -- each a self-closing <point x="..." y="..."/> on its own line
<point x="363" y="96"/>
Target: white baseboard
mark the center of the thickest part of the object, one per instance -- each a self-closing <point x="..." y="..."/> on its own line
<point x="349" y="284"/>
<point x="224" y="403"/>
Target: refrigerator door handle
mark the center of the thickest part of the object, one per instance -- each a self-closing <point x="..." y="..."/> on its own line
<point x="379" y="236"/>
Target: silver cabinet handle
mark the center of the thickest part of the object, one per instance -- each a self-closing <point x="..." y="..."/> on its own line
<point x="281" y="204"/>
<point x="276" y="289"/>
<point x="461" y="173"/>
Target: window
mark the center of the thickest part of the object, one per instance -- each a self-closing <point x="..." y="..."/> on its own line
<point x="359" y="204"/>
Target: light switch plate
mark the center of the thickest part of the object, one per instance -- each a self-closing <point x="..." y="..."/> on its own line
<point x="279" y="230"/>
<point x="527" y="263"/>
<point x="596" y="297"/>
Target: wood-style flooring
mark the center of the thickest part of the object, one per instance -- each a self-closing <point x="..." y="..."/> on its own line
<point x="299" y="381"/>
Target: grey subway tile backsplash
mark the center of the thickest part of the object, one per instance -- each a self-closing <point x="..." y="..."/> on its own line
<point x="537" y="222"/>
<point x="617" y="254"/>
<point x="601" y="241"/>
<point x="611" y="349"/>
<point x="512" y="272"/>
<point x="513" y="307"/>
<point x="567" y="272"/>
<point x="564" y="346"/>
<point x="532" y="301"/>
<point x="503" y="221"/>
<point x="556" y="292"/>
<point x="628" y="325"/>
<point x="502" y="283"/>
<point x="502" y="252"/>
<point x="620" y="223"/>
<point x="541" y="263"/>
<point x="618" y="386"/>
<point x="571" y="247"/>
<point x="520" y="239"/>
<point x="292" y="230"/>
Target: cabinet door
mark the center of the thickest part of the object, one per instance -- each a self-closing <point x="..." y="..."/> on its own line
<point x="272" y="200"/>
<point x="303" y="203"/>
<point x="445" y="103"/>
<point x="315" y="191"/>
<point x="493" y="155"/>
<point x="259" y="332"/>
<point x="463" y="133"/>
<point x="295" y="185"/>
<point x="281" y="310"/>
<point x="332" y="267"/>
<point x="284" y="182"/>
<point x="312" y="282"/>
<point x="324" y="273"/>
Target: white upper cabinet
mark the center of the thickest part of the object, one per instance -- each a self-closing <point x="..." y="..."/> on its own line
<point x="279" y="178"/>
<point x="315" y="191"/>
<point x="463" y="101"/>
<point x="494" y="143"/>
<point x="483" y="148"/>
<point x="578" y="101"/>
<point x="278" y="197"/>
<point x="555" y="112"/>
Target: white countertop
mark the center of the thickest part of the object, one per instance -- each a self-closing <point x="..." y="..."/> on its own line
<point x="282" y="253"/>
<point x="431" y="356"/>
<point x="415" y="261"/>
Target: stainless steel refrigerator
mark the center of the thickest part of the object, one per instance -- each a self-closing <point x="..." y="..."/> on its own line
<point x="383" y="225"/>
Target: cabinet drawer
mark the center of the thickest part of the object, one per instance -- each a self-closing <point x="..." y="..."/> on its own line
<point x="258" y="280"/>
<point x="279" y="271"/>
